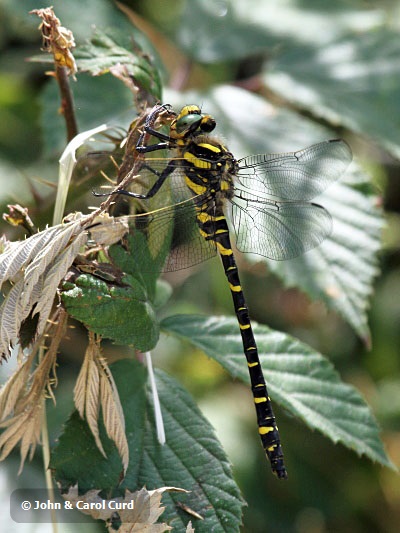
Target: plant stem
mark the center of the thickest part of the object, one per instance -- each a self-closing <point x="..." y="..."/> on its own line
<point x="46" y="461"/>
<point x="67" y="102"/>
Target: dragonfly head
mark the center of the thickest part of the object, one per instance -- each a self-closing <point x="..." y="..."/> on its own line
<point x="191" y="121"/>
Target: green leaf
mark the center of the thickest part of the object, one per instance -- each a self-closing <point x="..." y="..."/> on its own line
<point x="123" y="314"/>
<point x="113" y="48"/>
<point x="298" y="378"/>
<point x="234" y="29"/>
<point x="192" y="458"/>
<point x="340" y="271"/>
<point x="222" y="33"/>
<point x="352" y="81"/>
<point x="144" y="266"/>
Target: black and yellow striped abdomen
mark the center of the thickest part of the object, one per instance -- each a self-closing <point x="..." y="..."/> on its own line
<point x="208" y="170"/>
<point x="265" y="416"/>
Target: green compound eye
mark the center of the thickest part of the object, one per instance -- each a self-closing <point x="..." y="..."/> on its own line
<point x="188" y="122"/>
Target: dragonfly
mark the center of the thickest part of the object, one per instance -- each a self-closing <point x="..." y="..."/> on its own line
<point x="264" y="202"/>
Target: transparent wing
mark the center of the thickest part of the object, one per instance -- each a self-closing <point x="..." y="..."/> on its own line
<point x="278" y="230"/>
<point x="172" y="235"/>
<point x="167" y="220"/>
<point x="301" y="175"/>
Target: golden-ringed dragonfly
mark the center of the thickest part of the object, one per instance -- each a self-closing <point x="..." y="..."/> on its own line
<point x="264" y="201"/>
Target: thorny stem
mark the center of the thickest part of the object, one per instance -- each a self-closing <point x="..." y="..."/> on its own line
<point x="67" y="101"/>
<point x="59" y="41"/>
<point x="62" y="318"/>
<point x="46" y="461"/>
<point x="134" y="165"/>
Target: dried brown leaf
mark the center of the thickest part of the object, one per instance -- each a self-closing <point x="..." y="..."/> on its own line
<point x="95" y="386"/>
<point x="56" y="39"/>
<point x="142" y="518"/>
<point x="190" y="528"/>
<point x="113" y="415"/>
<point x="25" y="424"/>
<point x="5" y="244"/>
<point x="146" y="512"/>
<point x="24" y="427"/>
<point x="89" y="497"/>
<point x="32" y="432"/>
<point x="48" y="255"/>
<point x="10" y="318"/>
<point x="43" y="377"/>
<point x="35" y="266"/>
<point x="108" y="230"/>
<point x="189" y="510"/>
<point x="18" y="254"/>
<point x="87" y="393"/>
<point x="142" y="528"/>
<point x="15" y="387"/>
<point x="52" y="279"/>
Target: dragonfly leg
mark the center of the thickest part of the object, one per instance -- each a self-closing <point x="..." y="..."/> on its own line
<point x="156" y="187"/>
<point x="149" y="130"/>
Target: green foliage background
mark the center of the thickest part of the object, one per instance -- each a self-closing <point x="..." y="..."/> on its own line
<point x="325" y="65"/>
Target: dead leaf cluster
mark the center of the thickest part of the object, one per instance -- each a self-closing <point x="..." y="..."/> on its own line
<point x="56" y="39"/>
<point x="32" y="270"/>
<point x="142" y="518"/>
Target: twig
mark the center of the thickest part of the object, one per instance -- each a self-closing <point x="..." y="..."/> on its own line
<point x="67" y="101"/>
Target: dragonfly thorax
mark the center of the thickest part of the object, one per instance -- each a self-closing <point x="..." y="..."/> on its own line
<point x="208" y="166"/>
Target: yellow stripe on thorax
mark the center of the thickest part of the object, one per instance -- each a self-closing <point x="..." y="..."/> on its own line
<point x="210" y="147"/>
<point x="198" y="163"/>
